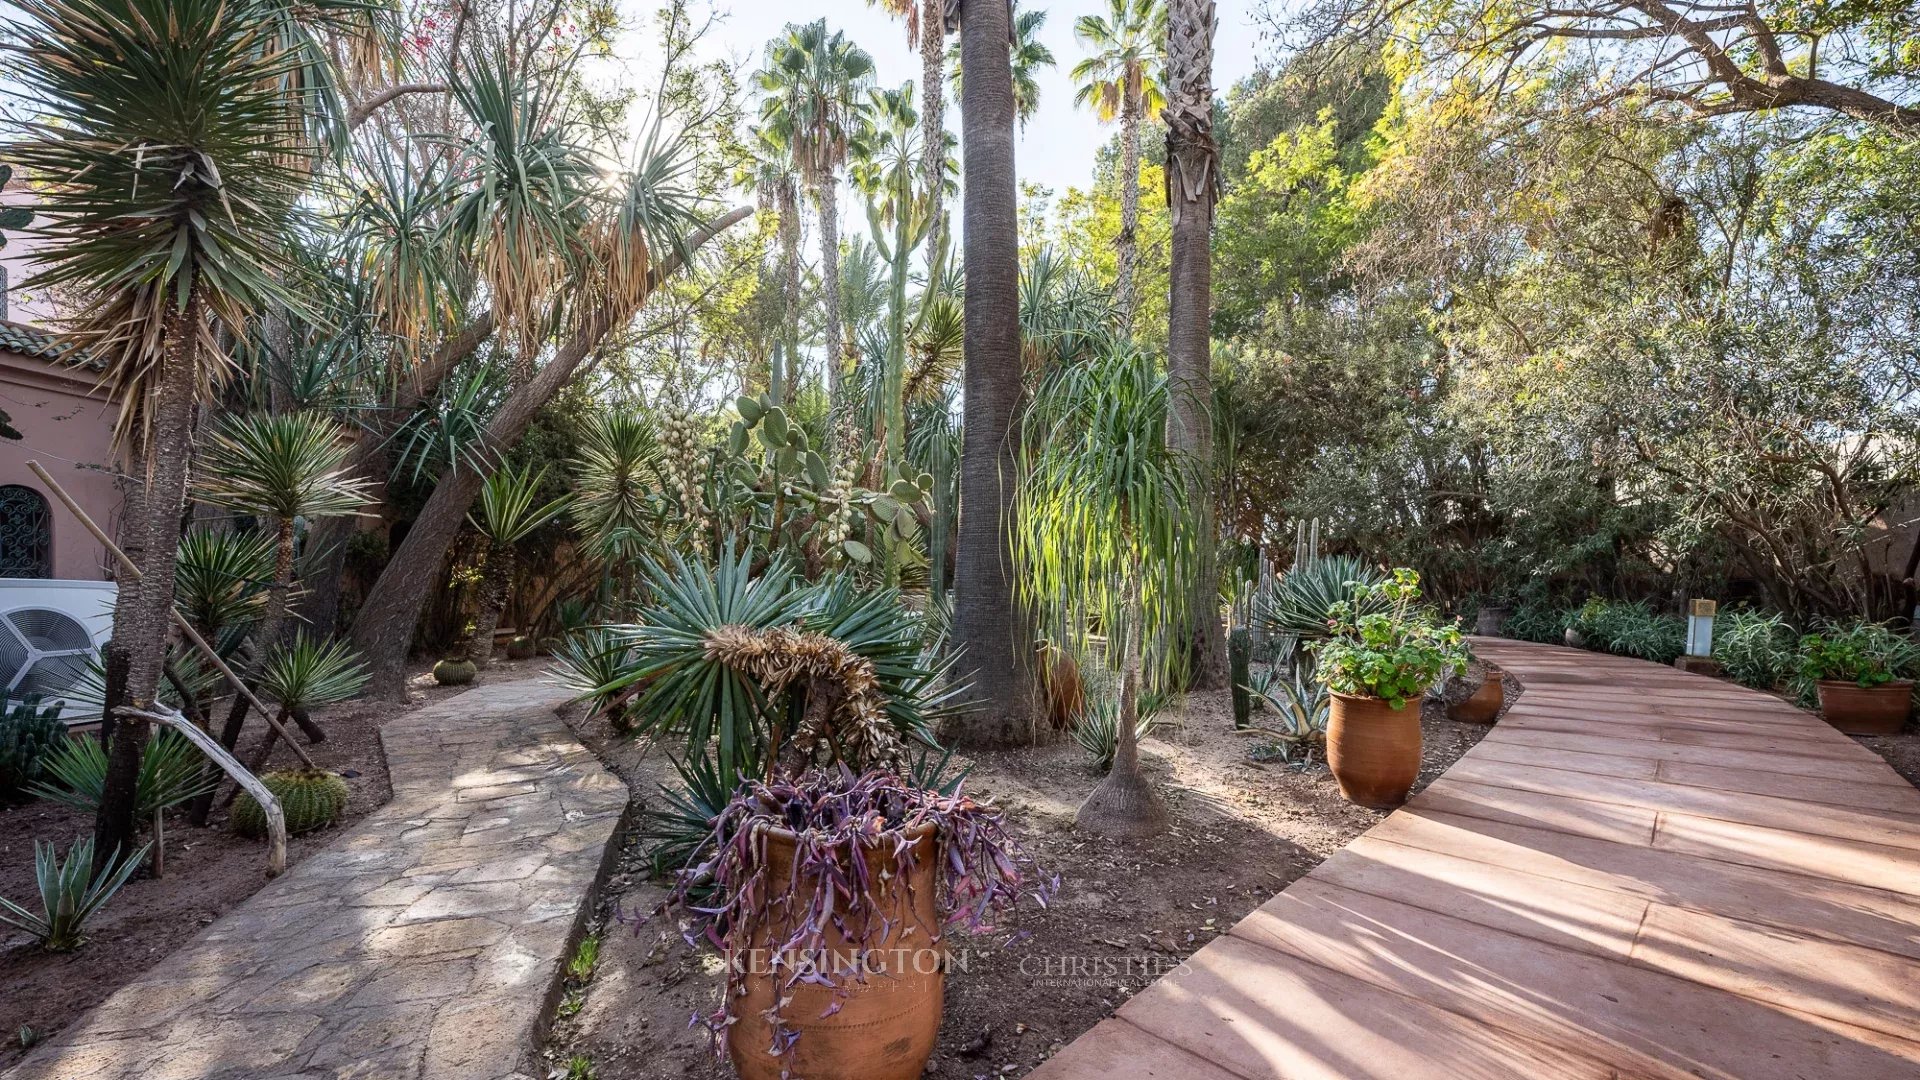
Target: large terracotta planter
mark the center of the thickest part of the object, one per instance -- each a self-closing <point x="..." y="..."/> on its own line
<point x="1373" y="749"/>
<point x="1866" y="710"/>
<point x="884" y="1029"/>
<point x="1485" y="703"/>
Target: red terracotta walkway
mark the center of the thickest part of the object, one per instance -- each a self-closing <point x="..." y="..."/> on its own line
<point x="1638" y="873"/>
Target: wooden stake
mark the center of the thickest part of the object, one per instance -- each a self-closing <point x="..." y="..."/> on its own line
<point x="178" y="620"/>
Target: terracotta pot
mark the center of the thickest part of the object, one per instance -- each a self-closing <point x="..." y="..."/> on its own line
<point x="1866" y="710"/>
<point x="1373" y="749"/>
<point x="1485" y="703"/>
<point x="885" y="1028"/>
<point x="1574" y="639"/>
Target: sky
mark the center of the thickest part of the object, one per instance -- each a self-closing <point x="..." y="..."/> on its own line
<point x="1058" y="145"/>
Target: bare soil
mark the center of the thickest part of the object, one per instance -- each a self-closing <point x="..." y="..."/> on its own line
<point x="1125" y="912"/>
<point x="208" y="871"/>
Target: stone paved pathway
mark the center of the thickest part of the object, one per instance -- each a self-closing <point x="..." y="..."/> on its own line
<point x="422" y="945"/>
<point x="1638" y="873"/>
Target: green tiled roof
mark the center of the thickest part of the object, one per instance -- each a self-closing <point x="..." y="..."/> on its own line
<point x="31" y="341"/>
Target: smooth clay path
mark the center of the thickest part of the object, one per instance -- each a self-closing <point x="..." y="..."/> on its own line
<point x="424" y="944"/>
<point x="1638" y="873"/>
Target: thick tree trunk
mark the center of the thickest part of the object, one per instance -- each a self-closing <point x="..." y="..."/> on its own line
<point x="384" y="630"/>
<point x="1190" y="187"/>
<point x="1125" y="245"/>
<point x="826" y="198"/>
<point x="998" y="650"/>
<point x="494" y="586"/>
<point x="1124" y="803"/>
<point x="141" y="614"/>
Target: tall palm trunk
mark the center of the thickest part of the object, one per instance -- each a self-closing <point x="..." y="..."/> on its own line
<point x="384" y="629"/>
<point x="495" y="584"/>
<point x="1125" y="245"/>
<point x="987" y="623"/>
<point x="787" y="356"/>
<point x="1124" y="803"/>
<point x="1192" y="161"/>
<point x="933" y="118"/>
<point x="826" y="197"/>
<point x="142" y="609"/>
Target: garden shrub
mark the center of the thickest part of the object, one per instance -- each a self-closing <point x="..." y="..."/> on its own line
<point x="1861" y="652"/>
<point x="1756" y="650"/>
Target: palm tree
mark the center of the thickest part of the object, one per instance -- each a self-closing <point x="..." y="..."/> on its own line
<point x="509" y="513"/>
<point x="1104" y="533"/>
<point x="769" y="172"/>
<point x="816" y="83"/>
<point x="887" y="174"/>
<point x="1120" y="81"/>
<point x="1192" y="183"/>
<point x="176" y="134"/>
<point x="986" y="622"/>
<point x="1029" y="55"/>
<point x="927" y="29"/>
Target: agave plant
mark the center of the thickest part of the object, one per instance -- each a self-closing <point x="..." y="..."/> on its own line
<point x="70" y="893"/>
<point x="510" y="511"/>
<point x="1098" y="730"/>
<point x="1301" y="601"/>
<point x="1301" y="706"/>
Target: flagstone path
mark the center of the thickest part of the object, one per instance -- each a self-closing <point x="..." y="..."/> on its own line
<point x="423" y="944"/>
<point x="1638" y="873"/>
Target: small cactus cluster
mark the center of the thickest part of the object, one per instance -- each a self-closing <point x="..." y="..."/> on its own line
<point x="310" y="799"/>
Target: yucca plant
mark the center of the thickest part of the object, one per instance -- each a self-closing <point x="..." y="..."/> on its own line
<point x="70" y="893"/>
<point x="278" y="468"/>
<point x="170" y="774"/>
<point x="617" y="471"/>
<point x="591" y="658"/>
<point x="223" y="579"/>
<point x="303" y="674"/>
<point x="509" y="512"/>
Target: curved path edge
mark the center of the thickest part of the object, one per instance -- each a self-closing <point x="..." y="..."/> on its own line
<point x="427" y="941"/>
<point x="1637" y="873"/>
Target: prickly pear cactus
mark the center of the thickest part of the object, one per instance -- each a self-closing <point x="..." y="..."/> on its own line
<point x="310" y="798"/>
<point x="1239" y="657"/>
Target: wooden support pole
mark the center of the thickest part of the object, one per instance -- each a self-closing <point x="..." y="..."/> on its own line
<point x="179" y="620"/>
<point x="276" y="818"/>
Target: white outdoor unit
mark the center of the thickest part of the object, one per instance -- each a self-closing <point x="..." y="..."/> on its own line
<point x="49" y="632"/>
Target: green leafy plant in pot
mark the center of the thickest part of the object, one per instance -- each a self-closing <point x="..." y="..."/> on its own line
<point x="1861" y="671"/>
<point x="1377" y="664"/>
<point x="830" y="859"/>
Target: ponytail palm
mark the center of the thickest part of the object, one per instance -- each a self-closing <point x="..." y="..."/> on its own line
<point x="509" y="512"/>
<point x="176" y="136"/>
<point x="1103" y="539"/>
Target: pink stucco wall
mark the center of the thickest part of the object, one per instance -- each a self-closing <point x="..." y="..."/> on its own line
<point x="68" y="429"/>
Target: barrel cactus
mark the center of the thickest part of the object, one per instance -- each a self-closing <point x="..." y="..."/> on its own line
<point x="310" y="798"/>
<point x="1239" y="659"/>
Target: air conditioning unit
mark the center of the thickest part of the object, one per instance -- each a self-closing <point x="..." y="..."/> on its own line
<point x="50" y="631"/>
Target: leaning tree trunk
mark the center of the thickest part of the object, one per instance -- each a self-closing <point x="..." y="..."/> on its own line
<point x="933" y="120"/>
<point x="1125" y="246"/>
<point x="494" y="586"/>
<point x="1192" y="163"/>
<point x="1124" y="803"/>
<point x="826" y="198"/>
<point x="987" y="622"/>
<point x="142" y="609"/>
<point x="384" y="630"/>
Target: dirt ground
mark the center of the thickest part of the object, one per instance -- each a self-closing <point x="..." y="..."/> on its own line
<point x="1241" y="832"/>
<point x="208" y="871"/>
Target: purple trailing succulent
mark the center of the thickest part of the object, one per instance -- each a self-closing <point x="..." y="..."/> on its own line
<point x="853" y="832"/>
